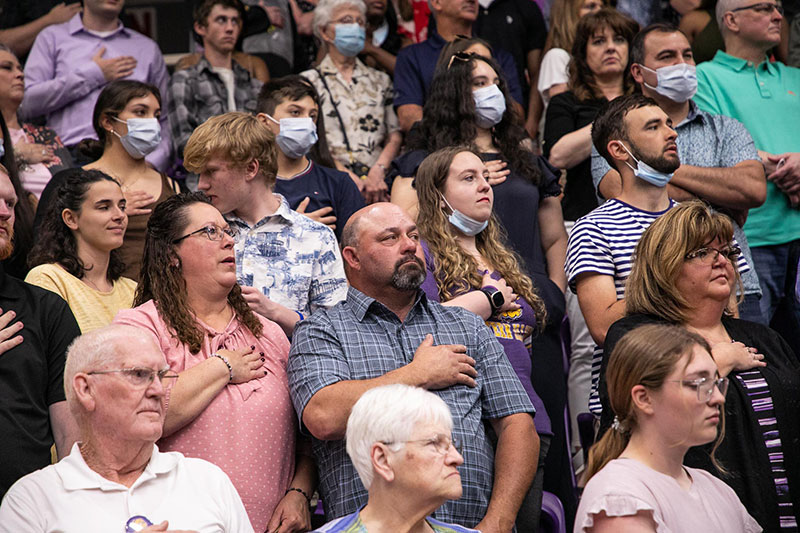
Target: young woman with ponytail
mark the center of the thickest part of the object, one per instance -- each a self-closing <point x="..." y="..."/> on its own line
<point x="667" y="396"/>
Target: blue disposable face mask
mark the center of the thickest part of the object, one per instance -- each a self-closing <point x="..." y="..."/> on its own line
<point x="676" y="82"/>
<point x="466" y="225"/>
<point x="296" y="137"/>
<point x="490" y="105"/>
<point x="648" y="173"/>
<point x="349" y="39"/>
<point x="144" y="136"/>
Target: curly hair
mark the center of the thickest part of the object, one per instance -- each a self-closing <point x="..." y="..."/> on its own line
<point x="449" y="118"/>
<point x="456" y="270"/>
<point x="162" y="281"/>
<point x="581" y="78"/>
<point x="55" y="242"/>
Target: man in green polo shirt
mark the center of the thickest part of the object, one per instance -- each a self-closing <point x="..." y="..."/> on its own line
<point x="765" y="96"/>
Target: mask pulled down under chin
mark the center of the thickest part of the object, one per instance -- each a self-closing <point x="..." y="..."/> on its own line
<point x="647" y="173"/>
<point x="466" y="225"/>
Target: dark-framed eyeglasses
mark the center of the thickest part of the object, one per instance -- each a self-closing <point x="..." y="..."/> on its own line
<point x="762" y="8"/>
<point x="705" y="387"/>
<point x="213" y="232"/>
<point x="440" y="443"/>
<point x="142" y="377"/>
<point x="707" y="255"/>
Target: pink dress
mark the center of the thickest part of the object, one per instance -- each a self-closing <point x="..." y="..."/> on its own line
<point x="248" y="430"/>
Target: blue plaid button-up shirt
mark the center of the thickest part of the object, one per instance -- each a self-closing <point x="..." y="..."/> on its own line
<point x="362" y="339"/>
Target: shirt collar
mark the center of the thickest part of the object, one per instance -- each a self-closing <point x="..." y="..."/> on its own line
<point x="360" y="303"/>
<point x="694" y="114"/>
<point x="739" y="64"/>
<point x="283" y="211"/>
<point x="435" y="40"/>
<point x="327" y="67"/>
<point x="75" y="474"/>
<point x="238" y="70"/>
<point x="75" y="25"/>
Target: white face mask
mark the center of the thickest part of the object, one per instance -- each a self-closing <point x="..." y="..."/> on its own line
<point x="144" y="136"/>
<point x="490" y="105"/>
<point x="676" y="82"/>
<point x="296" y="137"/>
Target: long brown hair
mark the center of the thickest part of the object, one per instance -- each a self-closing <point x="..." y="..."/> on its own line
<point x="161" y="279"/>
<point x="456" y="271"/>
<point x="582" y="82"/>
<point x="644" y="356"/>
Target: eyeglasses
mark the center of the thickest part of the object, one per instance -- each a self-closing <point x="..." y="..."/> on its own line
<point x="762" y="8"/>
<point x="440" y="443"/>
<point x="213" y="232"/>
<point x="705" y="387"/>
<point x="350" y="20"/>
<point x="461" y="56"/>
<point x="707" y="255"/>
<point x="141" y="377"/>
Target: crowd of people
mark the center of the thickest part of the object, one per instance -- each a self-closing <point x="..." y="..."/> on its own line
<point x="407" y="265"/>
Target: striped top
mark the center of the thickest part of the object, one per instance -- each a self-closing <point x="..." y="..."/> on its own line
<point x="352" y="524"/>
<point x="603" y="243"/>
<point x="760" y="396"/>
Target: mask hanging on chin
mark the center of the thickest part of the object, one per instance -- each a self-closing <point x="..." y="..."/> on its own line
<point x="646" y="172"/>
<point x="144" y="136"/>
<point x="676" y="82"/>
<point x="466" y="225"/>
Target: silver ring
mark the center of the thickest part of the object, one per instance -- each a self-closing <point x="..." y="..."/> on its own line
<point x="44" y="151"/>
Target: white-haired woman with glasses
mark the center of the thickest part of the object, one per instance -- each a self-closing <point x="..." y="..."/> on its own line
<point x="399" y="439"/>
<point x="231" y="404"/>
<point x="667" y="396"/>
<point x="361" y="126"/>
<point x="684" y="273"/>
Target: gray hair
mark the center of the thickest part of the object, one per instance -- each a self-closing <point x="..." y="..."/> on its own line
<point x="389" y="414"/>
<point x="93" y="351"/>
<point x="323" y="13"/>
<point x="724" y="6"/>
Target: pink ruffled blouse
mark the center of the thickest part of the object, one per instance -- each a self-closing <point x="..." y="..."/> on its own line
<point x="248" y="430"/>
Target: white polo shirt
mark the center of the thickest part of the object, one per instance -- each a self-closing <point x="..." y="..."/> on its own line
<point x="192" y="494"/>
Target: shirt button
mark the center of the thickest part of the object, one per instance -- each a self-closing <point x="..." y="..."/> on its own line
<point x="749" y="63"/>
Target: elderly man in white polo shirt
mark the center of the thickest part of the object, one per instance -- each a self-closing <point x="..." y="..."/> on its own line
<point x="115" y="479"/>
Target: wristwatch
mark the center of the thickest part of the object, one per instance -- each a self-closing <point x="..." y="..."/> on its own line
<point x="496" y="298"/>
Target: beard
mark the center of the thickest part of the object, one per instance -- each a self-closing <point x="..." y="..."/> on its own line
<point x="7" y="245"/>
<point x="408" y="274"/>
<point x="660" y="163"/>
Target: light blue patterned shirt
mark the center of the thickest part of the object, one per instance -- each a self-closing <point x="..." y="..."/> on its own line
<point x="292" y="259"/>
<point x="706" y="140"/>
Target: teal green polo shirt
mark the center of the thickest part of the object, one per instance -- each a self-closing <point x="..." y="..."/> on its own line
<point x="766" y="99"/>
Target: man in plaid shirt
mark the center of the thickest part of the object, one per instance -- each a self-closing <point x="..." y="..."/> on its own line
<point x="216" y="84"/>
<point x="387" y="331"/>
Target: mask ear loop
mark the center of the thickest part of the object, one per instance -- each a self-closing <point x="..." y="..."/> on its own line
<point x="632" y="157"/>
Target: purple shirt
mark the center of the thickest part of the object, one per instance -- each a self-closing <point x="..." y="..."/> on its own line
<point x="513" y="329"/>
<point x="62" y="81"/>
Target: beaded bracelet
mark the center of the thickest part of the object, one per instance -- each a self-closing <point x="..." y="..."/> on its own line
<point x="225" y="360"/>
<point x="301" y="491"/>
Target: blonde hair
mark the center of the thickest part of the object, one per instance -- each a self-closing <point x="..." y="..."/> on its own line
<point x="456" y="271"/>
<point x="644" y="356"/>
<point x="238" y="137"/>
<point x="660" y="254"/>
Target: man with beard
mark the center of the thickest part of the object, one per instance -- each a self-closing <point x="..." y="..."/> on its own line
<point x="36" y="327"/>
<point x="636" y="137"/>
<point x="287" y="264"/>
<point x="387" y="332"/>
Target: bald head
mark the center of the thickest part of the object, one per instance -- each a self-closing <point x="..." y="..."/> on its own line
<point x="380" y="248"/>
<point x="103" y="349"/>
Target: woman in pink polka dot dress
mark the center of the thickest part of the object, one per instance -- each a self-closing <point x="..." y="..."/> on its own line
<point x="230" y="404"/>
